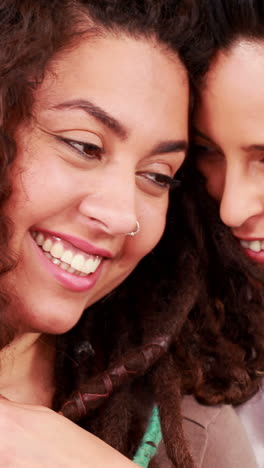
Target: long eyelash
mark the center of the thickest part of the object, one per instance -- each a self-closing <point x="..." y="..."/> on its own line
<point x="68" y="142"/>
<point x="170" y="181"/>
<point x="198" y="148"/>
<point x="166" y="181"/>
<point x="195" y="148"/>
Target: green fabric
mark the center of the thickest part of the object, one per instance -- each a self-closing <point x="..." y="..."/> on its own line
<point x="150" y="441"/>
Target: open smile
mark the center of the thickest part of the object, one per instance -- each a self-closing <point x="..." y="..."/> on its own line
<point x="254" y="249"/>
<point x="254" y="245"/>
<point x="74" y="263"/>
<point x="66" y="256"/>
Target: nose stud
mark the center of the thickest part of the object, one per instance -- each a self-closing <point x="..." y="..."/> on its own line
<point x="136" y="231"/>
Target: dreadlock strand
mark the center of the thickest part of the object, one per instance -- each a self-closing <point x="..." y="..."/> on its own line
<point x="167" y="390"/>
<point x="95" y="392"/>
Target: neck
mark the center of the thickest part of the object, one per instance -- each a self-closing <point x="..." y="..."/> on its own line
<point x="26" y="369"/>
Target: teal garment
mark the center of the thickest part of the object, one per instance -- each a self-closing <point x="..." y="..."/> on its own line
<point x="150" y="441"/>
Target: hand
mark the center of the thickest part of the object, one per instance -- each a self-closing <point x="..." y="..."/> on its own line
<point x="37" y="437"/>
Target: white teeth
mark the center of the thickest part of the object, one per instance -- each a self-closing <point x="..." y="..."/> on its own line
<point x="255" y="246"/>
<point x="97" y="263"/>
<point x="57" y="250"/>
<point x="88" y="266"/>
<point x="77" y="262"/>
<point x="40" y="239"/>
<point x="67" y="257"/>
<point x="56" y="261"/>
<point x="244" y="243"/>
<point x="67" y="260"/>
<point x="47" y="245"/>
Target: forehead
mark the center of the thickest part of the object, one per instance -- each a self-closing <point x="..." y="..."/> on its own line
<point x="234" y="68"/>
<point x="233" y="89"/>
<point x="126" y="75"/>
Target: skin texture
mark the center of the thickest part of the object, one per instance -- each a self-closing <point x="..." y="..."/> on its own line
<point x="37" y="437"/>
<point x="95" y="198"/>
<point x="230" y="154"/>
<point x="98" y="198"/>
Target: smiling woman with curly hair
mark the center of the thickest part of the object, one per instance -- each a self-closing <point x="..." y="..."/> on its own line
<point x="93" y="128"/>
<point x="223" y="366"/>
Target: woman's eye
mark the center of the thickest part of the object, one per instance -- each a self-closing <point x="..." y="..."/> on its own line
<point x="260" y="156"/>
<point x="202" y="151"/>
<point x="161" y="180"/>
<point x="86" y="150"/>
<point x="199" y="149"/>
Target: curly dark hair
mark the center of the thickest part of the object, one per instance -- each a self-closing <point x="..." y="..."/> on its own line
<point x="221" y="24"/>
<point x="118" y="359"/>
<point x="224" y="362"/>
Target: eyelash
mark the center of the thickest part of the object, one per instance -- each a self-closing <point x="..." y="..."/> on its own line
<point x="212" y="154"/>
<point x="201" y="149"/>
<point x="161" y="180"/>
<point x="93" y="151"/>
<point x="204" y="153"/>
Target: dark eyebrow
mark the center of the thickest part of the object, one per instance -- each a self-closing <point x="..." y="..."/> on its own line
<point x="173" y="146"/>
<point x="197" y="132"/>
<point x="200" y="134"/>
<point x="118" y="128"/>
<point x="249" y="148"/>
<point x="97" y="112"/>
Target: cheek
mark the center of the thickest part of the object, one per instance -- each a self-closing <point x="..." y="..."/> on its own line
<point x="215" y="185"/>
<point x="214" y="179"/>
<point x="38" y="191"/>
<point x="213" y="189"/>
<point x="152" y="225"/>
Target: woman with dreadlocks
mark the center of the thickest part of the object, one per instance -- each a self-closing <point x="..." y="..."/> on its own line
<point x="223" y="366"/>
<point x="93" y="115"/>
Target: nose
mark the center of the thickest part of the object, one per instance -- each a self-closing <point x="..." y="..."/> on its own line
<point x="240" y="200"/>
<point x="110" y="204"/>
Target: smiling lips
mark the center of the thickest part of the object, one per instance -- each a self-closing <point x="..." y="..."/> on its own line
<point x="255" y="245"/>
<point x="66" y="256"/>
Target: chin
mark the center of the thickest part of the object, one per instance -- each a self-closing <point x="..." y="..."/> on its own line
<point x="55" y="319"/>
<point x="53" y="327"/>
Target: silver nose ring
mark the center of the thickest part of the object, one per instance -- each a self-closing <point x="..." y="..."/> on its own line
<point x="136" y="231"/>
